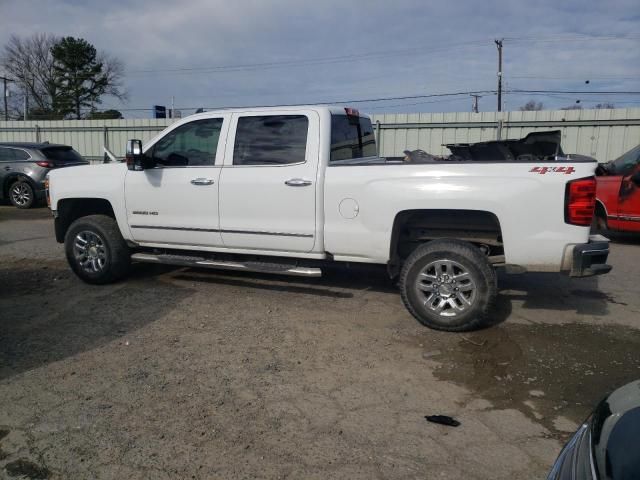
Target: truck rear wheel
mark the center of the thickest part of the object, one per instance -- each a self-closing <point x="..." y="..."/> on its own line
<point x="449" y="285"/>
<point x="96" y="251"/>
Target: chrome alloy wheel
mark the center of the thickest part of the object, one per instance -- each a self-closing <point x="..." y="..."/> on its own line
<point x="21" y="194"/>
<point x="446" y="288"/>
<point x="90" y="252"/>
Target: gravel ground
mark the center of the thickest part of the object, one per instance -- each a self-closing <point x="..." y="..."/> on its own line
<point x="183" y="373"/>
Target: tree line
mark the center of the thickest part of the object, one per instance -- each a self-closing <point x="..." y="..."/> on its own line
<point x="57" y="78"/>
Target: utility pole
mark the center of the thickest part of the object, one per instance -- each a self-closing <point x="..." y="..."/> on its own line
<point x="6" y="108"/>
<point x="474" y="104"/>
<point x="499" y="45"/>
<point x="173" y="101"/>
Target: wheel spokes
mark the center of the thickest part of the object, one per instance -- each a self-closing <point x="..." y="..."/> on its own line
<point x="447" y="287"/>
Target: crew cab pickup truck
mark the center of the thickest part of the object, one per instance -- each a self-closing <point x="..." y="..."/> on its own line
<point x="288" y="190"/>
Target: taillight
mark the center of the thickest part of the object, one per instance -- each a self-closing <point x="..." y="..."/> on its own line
<point x="580" y="201"/>
<point x="45" y="164"/>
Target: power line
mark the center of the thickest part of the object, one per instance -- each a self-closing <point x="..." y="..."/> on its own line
<point x="577" y="92"/>
<point x="309" y="61"/>
<point x="368" y="55"/>
<point x="399" y="98"/>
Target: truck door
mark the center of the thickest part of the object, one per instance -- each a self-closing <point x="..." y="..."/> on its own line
<point x="176" y="202"/>
<point x="269" y="180"/>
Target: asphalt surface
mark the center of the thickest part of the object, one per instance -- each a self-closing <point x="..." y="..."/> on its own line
<point x="182" y="373"/>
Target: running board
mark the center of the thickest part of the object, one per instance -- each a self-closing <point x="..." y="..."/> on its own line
<point x="259" y="267"/>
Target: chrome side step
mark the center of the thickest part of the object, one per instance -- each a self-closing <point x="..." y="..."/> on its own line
<point x="259" y="267"/>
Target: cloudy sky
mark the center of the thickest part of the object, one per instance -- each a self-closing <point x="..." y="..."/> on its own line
<point x="210" y="53"/>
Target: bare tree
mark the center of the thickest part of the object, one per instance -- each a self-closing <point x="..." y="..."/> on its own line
<point x="531" y="106"/>
<point x="30" y="64"/>
<point x="605" y="105"/>
<point x="28" y="61"/>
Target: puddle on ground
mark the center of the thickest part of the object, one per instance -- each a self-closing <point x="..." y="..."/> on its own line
<point x="545" y="371"/>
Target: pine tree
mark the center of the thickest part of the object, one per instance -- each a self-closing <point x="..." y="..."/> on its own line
<point x="79" y="76"/>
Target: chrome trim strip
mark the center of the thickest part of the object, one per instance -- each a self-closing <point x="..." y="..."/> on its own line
<point x="278" y="234"/>
<point x="627" y="218"/>
<point x="215" y="230"/>
<point x="159" y="227"/>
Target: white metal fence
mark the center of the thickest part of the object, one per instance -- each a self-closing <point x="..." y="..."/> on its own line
<point x="604" y="134"/>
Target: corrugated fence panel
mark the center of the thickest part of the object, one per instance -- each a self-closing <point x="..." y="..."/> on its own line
<point x="603" y="134"/>
<point x="87" y="136"/>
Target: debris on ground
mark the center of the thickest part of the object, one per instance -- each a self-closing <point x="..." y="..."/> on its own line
<point x="443" y="420"/>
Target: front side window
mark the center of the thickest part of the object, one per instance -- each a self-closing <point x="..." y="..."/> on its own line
<point x="20" y="155"/>
<point x="193" y="144"/>
<point x="271" y="140"/>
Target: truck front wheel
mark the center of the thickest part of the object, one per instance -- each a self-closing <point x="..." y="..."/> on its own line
<point x="449" y="285"/>
<point x="96" y="251"/>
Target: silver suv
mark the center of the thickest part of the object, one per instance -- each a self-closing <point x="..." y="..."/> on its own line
<point x="24" y="166"/>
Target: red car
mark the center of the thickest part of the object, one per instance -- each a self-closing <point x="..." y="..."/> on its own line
<point x="618" y="193"/>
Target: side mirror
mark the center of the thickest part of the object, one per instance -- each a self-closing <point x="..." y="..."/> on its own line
<point x="134" y="155"/>
<point x="635" y="178"/>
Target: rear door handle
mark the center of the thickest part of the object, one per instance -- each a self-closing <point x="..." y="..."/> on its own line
<point x="298" y="182"/>
<point x="202" y="181"/>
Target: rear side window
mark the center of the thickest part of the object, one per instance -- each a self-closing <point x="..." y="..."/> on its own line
<point x="61" y="154"/>
<point x="271" y="140"/>
<point x="20" y="155"/>
<point x="351" y="137"/>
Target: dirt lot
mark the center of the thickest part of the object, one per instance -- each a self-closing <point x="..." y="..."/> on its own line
<point x="180" y="373"/>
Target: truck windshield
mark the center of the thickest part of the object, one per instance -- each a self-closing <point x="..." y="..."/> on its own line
<point x="351" y="137"/>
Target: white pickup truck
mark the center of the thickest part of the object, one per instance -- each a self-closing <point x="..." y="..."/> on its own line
<point x="287" y="190"/>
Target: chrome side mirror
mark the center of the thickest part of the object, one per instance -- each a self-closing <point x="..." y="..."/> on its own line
<point x="134" y="156"/>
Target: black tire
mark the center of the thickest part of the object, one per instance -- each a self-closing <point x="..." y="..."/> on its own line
<point x="474" y="293"/>
<point x="21" y="194"/>
<point x="116" y="256"/>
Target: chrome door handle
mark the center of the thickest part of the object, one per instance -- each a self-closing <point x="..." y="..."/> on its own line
<point x="202" y="181"/>
<point x="298" y="182"/>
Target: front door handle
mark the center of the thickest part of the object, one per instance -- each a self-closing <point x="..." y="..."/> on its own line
<point x="202" y="181"/>
<point x="7" y="167"/>
<point x="298" y="182"/>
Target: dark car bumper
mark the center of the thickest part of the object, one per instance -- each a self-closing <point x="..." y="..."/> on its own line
<point x="590" y="258"/>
